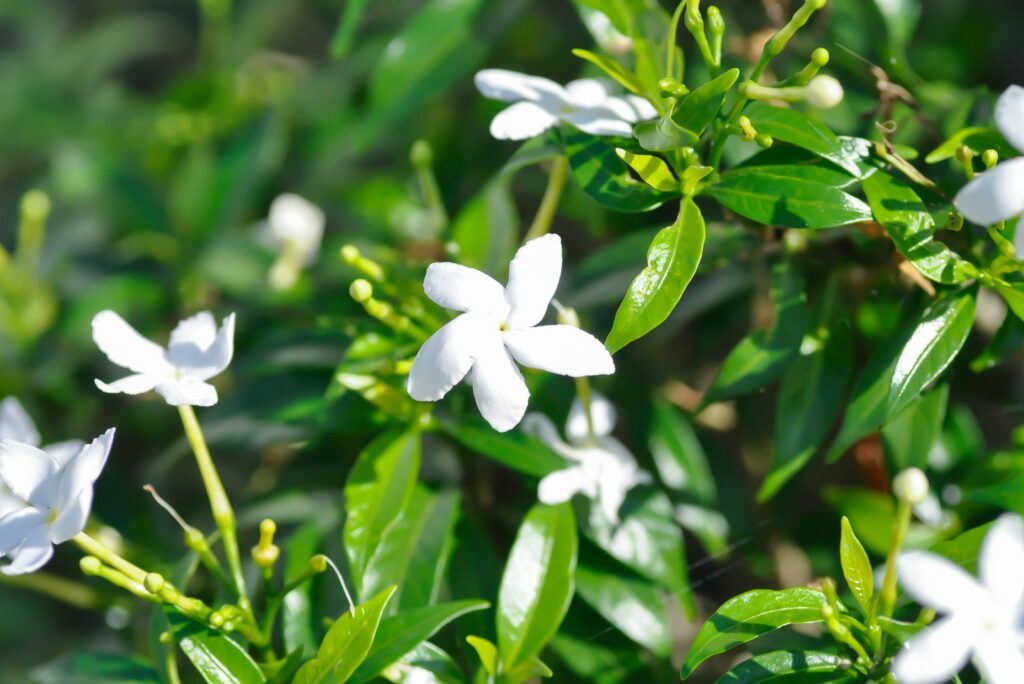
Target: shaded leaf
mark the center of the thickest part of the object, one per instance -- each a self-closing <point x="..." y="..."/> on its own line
<point x="697" y="109"/>
<point x="604" y="176"/>
<point x="798" y="667"/>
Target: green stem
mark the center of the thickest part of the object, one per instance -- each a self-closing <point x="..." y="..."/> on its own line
<point x="73" y="593"/>
<point x="900" y="527"/>
<point x="549" y="203"/>
<point x="584" y="393"/>
<point x="94" y="547"/>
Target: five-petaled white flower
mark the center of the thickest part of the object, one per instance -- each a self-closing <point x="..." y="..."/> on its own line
<point x="295" y="227"/>
<point x="498" y="328"/>
<point x="602" y="468"/>
<point x="197" y="352"/>
<point x="49" y="502"/>
<point x="983" y="620"/>
<point x="998" y="194"/>
<point x="539" y="104"/>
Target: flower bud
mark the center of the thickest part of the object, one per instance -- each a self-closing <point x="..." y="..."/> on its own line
<point x="318" y="563"/>
<point x="421" y="155"/>
<point x="266" y="553"/>
<point x="361" y="290"/>
<point x="90" y="565"/>
<point x="964" y="154"/>
<point x="217" y="619"/>
<point x="824" y="92"/>
<point x="35" y="206"/>
<point x="990" y="158"/>
<point x="911" y="486"/>
<point x="820" y="57"/>
<point x="154" y="583"/>
<point x="349" y="253"/>
<point x="715" y="22"/>
<point x="670" y="87"/>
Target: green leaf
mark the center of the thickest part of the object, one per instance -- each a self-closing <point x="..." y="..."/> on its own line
<point x="672" y="260"/>
<point x="697" y="109"/>
<point x="906" y="219"/>
<point x="341" y="42"/>
<point x="873" y="513"/>
<point x="663" y="134"/>
<point x="900" y="18"/>
<point x="400" y="634"/>
<point x="297" y="608"/>
<point x="527" y="671"/>
<point x="613" y="69"/>
<point x="218" y="658"/>
<point x="95" y="668"/>
<point x="796" y="128"/>
<point x="378" y="488"/>
<point x="487" y="652"/>
<point x="632" y="606"/>
<point x="604" y="176"/>
<point x="425" y="664"/>
<point x="965" y="548"/>
<point x="978" y="139"/>
<point x="763" y="355"/>
<point x="487" y="229"/>
<point x="513" y="449"/>
<point x="783" y="196"/>
<point x="797" y="667"/>
<point x="908" y="436"/>
<point x="678" y="454"/>
<point x="346" y="643"/>
<point x="856" y="566"/>
<point x="1007" y="494"/>
<point x="745" y="617"/>
<point x="812" y="391"/>
<point x="537" y="585"/>
<point x="653" y="170"/>
<point x="1007" y="340"/>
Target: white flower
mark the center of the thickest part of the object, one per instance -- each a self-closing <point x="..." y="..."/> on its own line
<point x="50" y="500"/>
<point x="539" y="104"/>
<point x="295" y="227"/>
<point x="498" y="328"/>
<point x="197" y="352"/>
<point x="998" y="194"/>
<point x="983" y="620"/>
<point x="603" y="470"/>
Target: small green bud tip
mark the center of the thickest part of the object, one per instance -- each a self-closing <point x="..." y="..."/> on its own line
<point x="349" y="253"/>
<point x="827" y="612"/>
<point x="361" y="290"/>
<point x="421" y="155"/>
<point x="166" y="638"/>
<point x="764" y="140"/>
<point x="824" y="92"/>
<point x="911" y="486"/>
<point x="267" y="529"/>
<point x="820" y="57"/>
<point x="828" y="585"/>
<point x="817" y="4"/>
<point x="964" y="154"/>
<point x="230" y="626"/>
<point x="194" y="539"/>
<point x="956" y="221"/>
<point x="318" y="563"/>
<point x="90" y="565"/>
<point x="153" y="583"/>
<point x="715" y="22"/>
<point x="990" y="158"/>
<point x="35" y="205"/>
<point x="217" y="620"/>
<point x="670" y="87"/>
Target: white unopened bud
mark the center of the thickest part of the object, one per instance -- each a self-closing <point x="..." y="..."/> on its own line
<point x="823" y="92"/>
<point x="911" y="486"/>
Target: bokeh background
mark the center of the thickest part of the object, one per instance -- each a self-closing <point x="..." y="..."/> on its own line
<point x="161" y="130"/>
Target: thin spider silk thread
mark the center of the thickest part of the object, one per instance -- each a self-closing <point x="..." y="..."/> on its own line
<point x="344" y="587"/>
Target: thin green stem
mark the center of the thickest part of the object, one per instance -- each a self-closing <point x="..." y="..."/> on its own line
<point x="549" y="203"/>
<point x="94" y="547"/>
<point x="901" y="525"/>
<point x="586" y="399"/>
<point x="73" y="593"/>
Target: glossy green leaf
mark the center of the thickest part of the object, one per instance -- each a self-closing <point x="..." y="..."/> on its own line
<point x="613" y="69"/>
<point x="783" y="196"/>
<point x="965" y="548"/>
<point x="399" y="634"/>
<point x="513" y="449"/>
<point x="218" y="658"/>
<point x="811" y="393"/>
<point x="486" y="651"/>
<point x="652" y="170"/>
<point x="95" y="668"/>
<point x="856" y="566"/>
<point x="378" y="488"/>
<point x="633" y="606"/>
<point x="663" y="134"/>
<point x="297" y="607"/>
<point x="672" y="260"/>
<point x="796" y="667"/>
<point x="697" y="109"/>
<point x="678" y="454"/>
<point x="909" y="435"/>
<point x="745" y="617"/>
<point x="346" y="644"/>
<point x="905" y="218"/>
<point x="537" y="585"/>
<point x="605" y="177"/>
<point x="898" y="629"/>
<point x="425" y="664"/>
<point x="796" y="128"/>
<point x="978" y="139"/>
<point x="762" y="356"/>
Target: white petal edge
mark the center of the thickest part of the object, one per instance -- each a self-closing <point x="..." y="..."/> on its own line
<point x="498" y="386"/>
<point x="934" y="655"/>
<point x="204" y="362"/>
<point x="512" y="86"/>
<point x="444" y="359"/>
<point x="16" y="526"/>
<point x="521" y="121"/>
<point x="998" y="657"/>
<point x="124" y="346"/>
<point x="1001" y="565"/>
<point x="198" y="330"/>
<point x="460" y="288"/>
<point x="540" y="426"/>
<point x="600" y="121"/>
<point x="16" y="424"/>
<point x="561" y="485"/>
<point x="533" y="277"/>
<point x="1010" y="116"/>
<point x="602" y="412"/>
<point x="35" y="552"/>
<point x="28" y="472"/>
<point x="560" y="349"/>
<point x="81" y="472"/>
<point x="994" y="196"/>
<point x="187" y="392"/>
<point x="132" y="384"/>
<point x="935" y="582"/>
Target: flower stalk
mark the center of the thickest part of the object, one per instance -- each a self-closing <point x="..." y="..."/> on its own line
<point x="557" y="176"/>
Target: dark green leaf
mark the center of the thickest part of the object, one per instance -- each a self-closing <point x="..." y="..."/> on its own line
<point x="604" y="176"/>
<point x="428" y="565"/>
<point x="856" y="566"/>
<point x="909" y="435"/>
<point x="95" y="668"/>
<point x="1007" y="340"/>
<point x="346" y="643"/>
<point x="745" y="617"/>
<point x="1008" y="494"/>
<point x="978" y="139"/>
<point x="633" y="606"/>
<point x="217" y="657"/>
<point x="797" y="667"/>
<point x="679" y="456"/>
<point x="671" y="263"/>
<point x="796" y="128"/>
<point x="487" y="229"/>
<point x="297" y="609"/>
<point x="696" y="110"/>
<point x="965" y="548"/>
<point x="425" y="664"/>
<point x="513" y="449"/>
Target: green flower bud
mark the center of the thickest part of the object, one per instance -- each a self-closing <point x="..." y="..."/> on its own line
<point x="318" y="563"/>
<point x="820" y="57"/>
<point x="90" y="565"/>
<point x="154" y="583"/>
<point x="670" y="87"/>
<point x="361" y="290"/>
<point x="421" y="154"/>
<point x="35" y="206"/>
<point x="990" y="158"/>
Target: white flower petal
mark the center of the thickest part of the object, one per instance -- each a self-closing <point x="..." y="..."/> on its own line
<point x="587" y="92"/>
<point x="611" y="493"/>
<point x="998" y="657"/>
<point x="444" y="359"/>
<point x="560" y="349"/>
<point x="296" y="220"/>
<point x="14" y="527"/>
<point x="28" y="472"/>
<point x="532" y="280"/>
<point x="600" y="120"/>
<point x="187" y="392"/>
<point x="561" y="485"/>
<point x="994" y="196"/>
<point x="9" y="502"/>
<point x="540" y="426"/>
<point x="1001" y="565"/>
<point x="522" y="120"/>
<point x="196" y="353"/>
<point x="461" y="288"/>
<point x="82" y="471"/>
<point x="62" y="452"/>
<point x="511" y="86"/>
<point x="124" y="346"/>
<point x="35" y="551"/>
<point x="934" y="655"/>
<point x="938" y="583"/>
<point x="16" y="424"/>
<point x="1010" y="116"/>
<point x="73" y="517"/>
<point x="132" y="384"/>
<point x="601" y="412"/>
<point x="498" y="386"/>
<point x="642" y="109"/>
